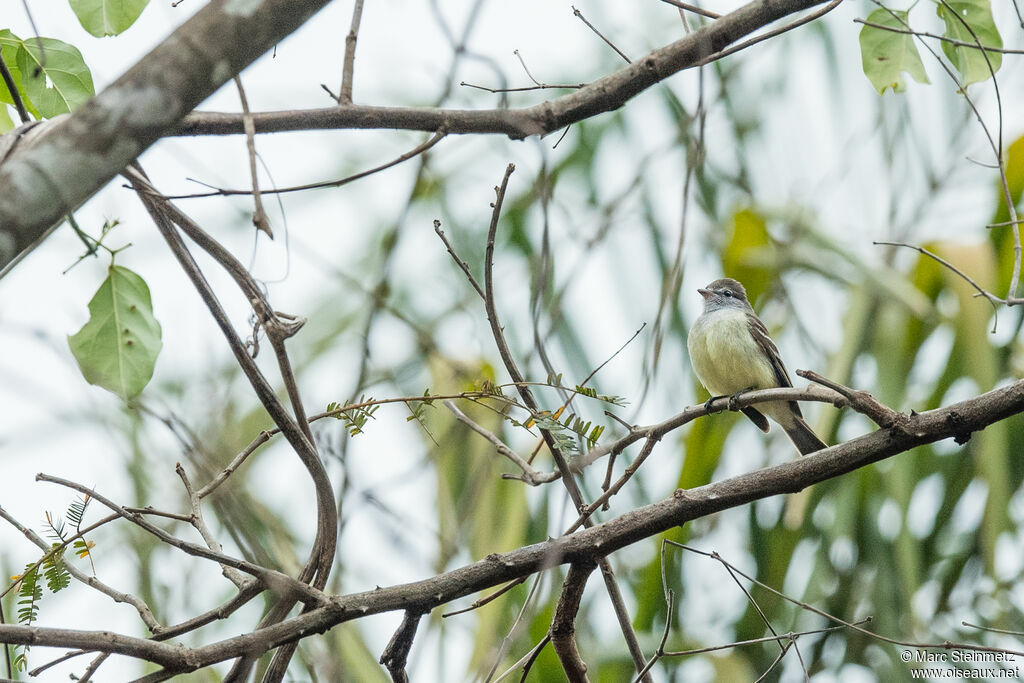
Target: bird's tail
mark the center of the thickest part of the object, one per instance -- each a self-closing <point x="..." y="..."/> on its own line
<point x="802" y="436"/>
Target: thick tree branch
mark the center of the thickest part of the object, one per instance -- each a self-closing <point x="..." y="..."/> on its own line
<point x="582" y="547"/>
<point x="78" y="154"/>
<point x="605" y="94"/>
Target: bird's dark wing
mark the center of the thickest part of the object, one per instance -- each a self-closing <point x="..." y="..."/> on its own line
<point x="760" y="334"/>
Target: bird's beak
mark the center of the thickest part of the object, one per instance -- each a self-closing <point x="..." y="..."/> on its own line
<point x="704" y="292"/>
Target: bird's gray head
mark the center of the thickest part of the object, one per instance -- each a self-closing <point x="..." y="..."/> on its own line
<point x="724" y="293"/>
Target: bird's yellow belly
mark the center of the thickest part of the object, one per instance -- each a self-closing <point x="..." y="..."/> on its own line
<point x="725" y="357"/>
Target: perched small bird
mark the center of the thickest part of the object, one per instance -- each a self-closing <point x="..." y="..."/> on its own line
<point x="731" y="352"/>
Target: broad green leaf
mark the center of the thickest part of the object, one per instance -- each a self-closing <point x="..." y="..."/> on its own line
<point x="118" y="347"/>
<point x="107" y="17"/>
<point x="54" y="75"/>
<point x="9" y="44"/>
<point x="971" y="61"/>
<point x="885" y="55"/>
<point x="6" y="123"/>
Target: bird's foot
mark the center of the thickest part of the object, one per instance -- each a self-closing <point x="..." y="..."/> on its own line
<point x="735" y="398"/>
<point x="707" y="403"/>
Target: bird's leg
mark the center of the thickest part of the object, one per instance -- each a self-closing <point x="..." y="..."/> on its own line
<point x="707" y="403"/>
<point x="734" y="399"/>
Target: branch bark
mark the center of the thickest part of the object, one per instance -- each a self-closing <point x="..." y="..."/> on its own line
<point x="603" y="95"/>
<point x="581" y="548"/>
<point x="78" y="154"/>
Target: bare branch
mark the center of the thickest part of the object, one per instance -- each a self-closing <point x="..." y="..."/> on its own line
<point x="945" y="39"/>
<point x="563" y="625"/>
<point x="259" y="216"/>
<point x="605" y="94"/>
<point x="12" y="89"/>
<point x="345" y="95"/>
<point x="578" y="14"/>
<point x="110" y="130"/>
<point x="397" y="652"/>
<point x="414" y="152"/>
<point x="693" y="8"/>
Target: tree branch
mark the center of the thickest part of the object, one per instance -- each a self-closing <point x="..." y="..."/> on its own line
<point x="563" y="625"/>
<point x="603" y="95"/>
<point x="80" y="153"/>
<point x="585" y="546"/>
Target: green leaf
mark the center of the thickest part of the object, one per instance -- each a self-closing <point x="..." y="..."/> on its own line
<point x="54" y="75"/>
<point x="107" y="17"/>
<point x="970" y="61"/>
<point x="6" y="123"/>
<point x="885" y="55"/>
<point x="747" y="255"/>
<point x="118" y="347"/>
<point x="9" y="44"/>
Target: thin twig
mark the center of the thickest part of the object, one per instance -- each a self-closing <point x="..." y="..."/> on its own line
<point x="530" y="475"/>
<point x="1011" y="298"/>
<point x="458" y="261"/>
<point x="345" y="95"/>
<point x="12" y="88"/>
<point x="197" y="521"/>
<point x="951" y="41"/>
<point x="527" y="88"/>
<point x="506" y="642"/>
<point x="259" y="216"/>
<point x="274" y="580"/>
<point x="145" y="613"/>
<point x="578" y="14"/>
<point x="997" y="149"/>
<point x="618" y="604"/>
<point x="534" y="653"/>
<point x="861" y="401"/>
<point x="693" y="8"/>
<point x="856" y="625"/>
<point x="991" y="298"/>
<point x="224" y="192"/>
<point x="477" y="604"/>
<point x="770" y="34"/>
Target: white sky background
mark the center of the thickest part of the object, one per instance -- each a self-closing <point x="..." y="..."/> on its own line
<point x="810" y="154"/>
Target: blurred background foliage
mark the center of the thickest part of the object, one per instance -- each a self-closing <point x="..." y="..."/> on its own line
<point x="729" y="171"/>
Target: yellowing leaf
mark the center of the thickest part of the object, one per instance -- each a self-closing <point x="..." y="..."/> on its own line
<point x="743" y="257"/>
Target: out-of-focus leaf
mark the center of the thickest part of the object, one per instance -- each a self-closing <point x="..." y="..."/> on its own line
<point x="478" y="511"/>
<point x="990" y="448"/>
<point x="1002" y="236"/>
<point x="971" y="62"/>
<point x="886" y="55"/>
<point x="743" y="255"/>
<point x="107" y="17"/>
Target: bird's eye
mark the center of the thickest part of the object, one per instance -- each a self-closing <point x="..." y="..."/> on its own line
<point x="726" y="293"/>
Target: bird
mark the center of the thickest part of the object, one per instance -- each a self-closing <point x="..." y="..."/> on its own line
<point x="731" y="352"/>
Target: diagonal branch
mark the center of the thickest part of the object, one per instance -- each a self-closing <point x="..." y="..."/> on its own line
<point x="603" y="95"/>
<point x="581" y="547"/>
<point x="78" y="154"/>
